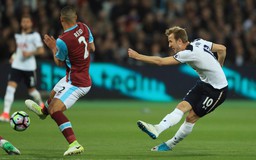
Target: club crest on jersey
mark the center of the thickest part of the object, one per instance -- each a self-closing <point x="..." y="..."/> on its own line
<point x="198" y="44"/>
<point x="78" y="33"/>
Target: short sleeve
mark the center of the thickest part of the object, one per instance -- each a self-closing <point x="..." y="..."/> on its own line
<point x="37" y="40"/>
<point x="91" y="39"/>
<point x="184" y="56"/>
<point x="62" y="51"/>
<point x="207" y="43"/>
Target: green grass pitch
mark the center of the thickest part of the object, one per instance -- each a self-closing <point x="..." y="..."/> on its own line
<point x="108" y="130"/>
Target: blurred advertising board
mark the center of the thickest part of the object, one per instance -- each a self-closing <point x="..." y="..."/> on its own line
<point x="144" y="82"/>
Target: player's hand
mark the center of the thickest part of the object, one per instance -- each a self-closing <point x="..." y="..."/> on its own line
<point x="12" y="58"/>
<point x="132" y="53"/>
<point x="26" y="54"/>
<point x="50" y="41"/>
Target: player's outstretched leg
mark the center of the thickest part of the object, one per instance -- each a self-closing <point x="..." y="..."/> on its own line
<point x="148" y="128"/>
<point x="74" y="148"/>
<point x="161" y="147"/>
<point x="9" y="148"/>
<point x="33" y="106"/>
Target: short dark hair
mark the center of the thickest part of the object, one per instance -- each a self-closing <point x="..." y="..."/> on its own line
<point x="68" y="13"/>
<point x="178" y="32"/>
<point x="26" y="16"/>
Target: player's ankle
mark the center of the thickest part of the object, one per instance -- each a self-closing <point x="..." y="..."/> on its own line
<point x="74" y="143"/>
<point x="159" y="128"/>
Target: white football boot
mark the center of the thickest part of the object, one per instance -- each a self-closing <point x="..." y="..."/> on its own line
<point x="148" y="128"/>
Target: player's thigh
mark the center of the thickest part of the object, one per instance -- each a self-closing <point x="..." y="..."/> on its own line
<point x="193" y="96"/>
<point x="12" y="84"/>
<point x="30" y="79"/>
<point x="68" y="93"/>
<point x="15" y="76"/>
<point x="52" y="94"/>
<point x="184" y="106"/>
<point x="60" y="85"/>
<point x="209" y="101"/>
<point x="204" y="98"/>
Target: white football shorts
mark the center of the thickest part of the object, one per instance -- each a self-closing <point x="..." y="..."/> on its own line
<point x="68" y="93"/>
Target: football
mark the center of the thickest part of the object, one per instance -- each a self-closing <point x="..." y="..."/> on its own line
<point x="20" y="121"/>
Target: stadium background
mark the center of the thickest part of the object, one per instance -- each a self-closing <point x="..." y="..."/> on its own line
<point x="140" y="24"/>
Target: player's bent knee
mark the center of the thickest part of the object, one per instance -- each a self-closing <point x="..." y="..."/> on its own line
<point x="190" y="120"/>
<point x="184" y="106"/>
<point x="55" y="108"/>
<point x="52" y="110"/>
<point x="192" y="117"/>
<point x="12" y="84"/>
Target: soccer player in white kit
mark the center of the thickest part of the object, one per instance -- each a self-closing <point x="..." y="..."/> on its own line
<point x="208" y="93"/>
<point x="23" y="67"/>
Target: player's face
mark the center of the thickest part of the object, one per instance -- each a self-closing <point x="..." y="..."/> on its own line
<point x="173" y="43"/>
<point x="26" y="23"/>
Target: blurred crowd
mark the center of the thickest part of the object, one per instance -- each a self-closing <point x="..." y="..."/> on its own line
<point x="140" y="24"/>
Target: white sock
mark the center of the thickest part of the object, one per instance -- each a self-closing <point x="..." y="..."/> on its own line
<point x="36" y="96"/>
<point x="8" y="98"/>
<point x="184" y="130"/>
<point x="169" y="120"/>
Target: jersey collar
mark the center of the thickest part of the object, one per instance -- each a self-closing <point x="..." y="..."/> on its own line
<point x="71" y="28"/>
<point x="189" y="47"/>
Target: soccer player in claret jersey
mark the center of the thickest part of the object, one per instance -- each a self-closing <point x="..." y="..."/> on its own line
<point x="8" y="147"/>
<point x="72" y="50"/>
<point x="208" y="93"/>
<point x="29" y="44"/>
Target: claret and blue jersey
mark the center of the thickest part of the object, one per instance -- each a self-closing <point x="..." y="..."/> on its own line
<point x="73" y="48"/>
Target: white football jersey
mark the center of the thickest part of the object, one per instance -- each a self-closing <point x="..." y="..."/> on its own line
<point x="199" y="56"/>
<point x="29" y="43"/>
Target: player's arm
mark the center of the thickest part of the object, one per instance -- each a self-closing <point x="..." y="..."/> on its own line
<point x="221" y="52"/>
<point x="12" y="57"/>
<point x="92" y="47"/>
<point x="152" y="59"/>
<point x="91" y="41"/>
<point x="51" y="43"/>
<point x="38" y="51"/>
<point x="56" y="60"/>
